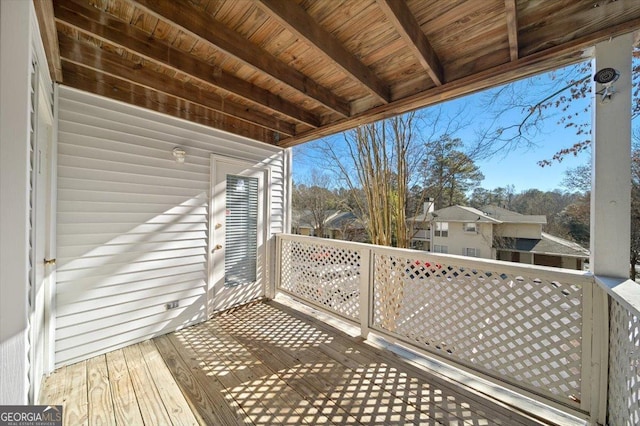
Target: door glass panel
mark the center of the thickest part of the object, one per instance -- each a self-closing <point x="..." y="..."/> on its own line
<point x="241" y="225"/>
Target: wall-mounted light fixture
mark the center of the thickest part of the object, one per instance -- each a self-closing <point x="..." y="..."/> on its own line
<point x="606" y="77"/>
<point x="179" y="154"/>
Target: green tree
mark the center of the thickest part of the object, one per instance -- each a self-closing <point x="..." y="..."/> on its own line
<point x="449" y="172"/>
<point x="501" y="196"/>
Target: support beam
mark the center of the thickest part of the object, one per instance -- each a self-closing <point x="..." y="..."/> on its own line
<point x="95" y="23"/>
<point x="106" y="62"/>
<point x="610" y="200"/>
<point x="409" y="29"/>
<point x="114" y="88"/>
<point x="190" y="20"/>
<point x="566" y="54"/>
<point x="47" y="24"/>
<point x="295" y="19"/>
<point x="512" y="27"/>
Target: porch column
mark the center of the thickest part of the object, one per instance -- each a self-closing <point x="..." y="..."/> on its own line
<point x="610" y="205"/>
<point x="15" y="57"/>
<point x="611" y="157"/>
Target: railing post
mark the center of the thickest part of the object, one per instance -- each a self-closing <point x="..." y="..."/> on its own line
<point x="599" y="356"/>
<point x="366" y="293"/>
<point x="277" y="276"/>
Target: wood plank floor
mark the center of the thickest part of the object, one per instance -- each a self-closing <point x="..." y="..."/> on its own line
<point x="262" y="364"/>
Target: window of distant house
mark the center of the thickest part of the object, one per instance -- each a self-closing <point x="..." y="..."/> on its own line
<point x="442" y="229"/>
<point x="470" y="227"/>
<point x="473" y="252"/>
<point x="440" y="249"/>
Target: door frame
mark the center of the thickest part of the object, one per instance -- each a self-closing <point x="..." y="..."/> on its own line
<point x="216" y="159"/>
<point x="44" y="195"/>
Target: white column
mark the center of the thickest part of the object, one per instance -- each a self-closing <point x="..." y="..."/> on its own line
<point x="15" y="58"/>
<point x="610" y="205"/>
<point x="611" y="150"/>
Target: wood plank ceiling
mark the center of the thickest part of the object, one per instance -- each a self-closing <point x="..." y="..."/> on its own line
<point x="289" y="71"/>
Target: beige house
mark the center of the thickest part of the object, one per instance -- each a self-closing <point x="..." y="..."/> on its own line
<point x="495" y="233"/>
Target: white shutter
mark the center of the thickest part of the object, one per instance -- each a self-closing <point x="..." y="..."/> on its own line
<point x="241" y="235"/>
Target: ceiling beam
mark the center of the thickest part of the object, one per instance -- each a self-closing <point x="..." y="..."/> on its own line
<point x="88" y="80"/>
<point x="512" y="28"/>
<point x="113" y="64"/>
<point x="409" y="29"/>
<point x="182" y="14"/>
<point x="295" y="19"/>
<point x="98" y="24"/>
<point x="47" y="24"/>
<point x="546" y="60"/>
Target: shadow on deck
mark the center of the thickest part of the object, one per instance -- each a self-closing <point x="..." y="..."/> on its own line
<point x="263" y="364"/>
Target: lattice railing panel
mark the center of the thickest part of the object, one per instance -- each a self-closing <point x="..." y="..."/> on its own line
<point x="323" y="274"/>
<point x="624" y="366"/>
<point x="522" y="329"/>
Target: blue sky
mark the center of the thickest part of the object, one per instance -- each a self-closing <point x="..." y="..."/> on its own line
<point x="517" y="167"/>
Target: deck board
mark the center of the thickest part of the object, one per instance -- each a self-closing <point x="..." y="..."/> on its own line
<point x="149" y="401"/>
<point x="263" y="364"/>
<point x="173" y="399"/>
<point x="75" y="401"/>
<point x="368" y="404"/>
<point x="99" y="392"/>
<point x="125" y="403"/>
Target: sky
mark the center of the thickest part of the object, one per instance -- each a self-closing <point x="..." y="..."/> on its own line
<point x="518" y="167"/>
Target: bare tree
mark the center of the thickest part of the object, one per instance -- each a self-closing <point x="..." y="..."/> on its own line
<point x="378" y="159"/>
<point x="315" y="200"/>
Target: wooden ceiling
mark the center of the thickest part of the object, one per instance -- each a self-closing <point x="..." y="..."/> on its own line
<point x="290" y="71"/>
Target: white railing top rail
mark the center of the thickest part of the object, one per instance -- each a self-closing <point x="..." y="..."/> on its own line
<point x="622" y="290"/>
<point x="542" y="272"/>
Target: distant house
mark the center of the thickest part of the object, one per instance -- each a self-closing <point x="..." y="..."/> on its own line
<point x="338" y="225"/>
<point x="494" y="233"/>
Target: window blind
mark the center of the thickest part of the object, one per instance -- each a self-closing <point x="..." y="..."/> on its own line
<point x="241" y="225"/>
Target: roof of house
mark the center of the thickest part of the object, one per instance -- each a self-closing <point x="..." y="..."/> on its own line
<point x="454" y="214"/>
<point x="334" y="219"/>
<point x="341" y="219"/>
<point x="547" y="244"/>
<point x="487" y="214"/>
<point x="508" y="216"/>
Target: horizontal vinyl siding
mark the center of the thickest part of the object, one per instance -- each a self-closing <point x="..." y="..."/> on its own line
<point x="132" y="223"/>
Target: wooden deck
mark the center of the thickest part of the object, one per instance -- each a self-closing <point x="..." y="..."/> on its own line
<point x="262" y="364"/>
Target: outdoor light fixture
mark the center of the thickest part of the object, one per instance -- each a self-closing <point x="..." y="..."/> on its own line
<point x="606" y="77"/>
<point x="179" y="154"/>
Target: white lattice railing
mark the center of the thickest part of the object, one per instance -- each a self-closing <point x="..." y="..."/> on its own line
<point x="326" y="273"/>
<point x="624" y="352"/>
<point x="532" y="328"/>
<point x="520" y="324"/>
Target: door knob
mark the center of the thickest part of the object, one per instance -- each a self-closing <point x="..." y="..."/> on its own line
<point x="218" y="247"/>
<point x="49" y="261"/>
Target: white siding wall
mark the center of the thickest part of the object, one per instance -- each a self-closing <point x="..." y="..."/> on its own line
<point x="15" y="86"/>
<point x="458" y="239"/>
<point x="133" y="223"/>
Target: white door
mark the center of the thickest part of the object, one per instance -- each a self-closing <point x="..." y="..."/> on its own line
<point x="238" y="233"/>
<point x="42" y="265"/>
